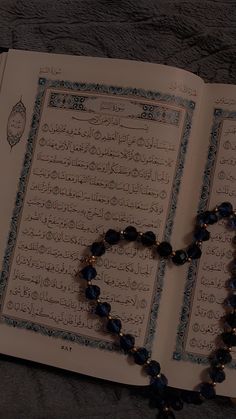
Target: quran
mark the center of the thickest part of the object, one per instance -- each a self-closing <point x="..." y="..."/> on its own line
<point x="87" y="144"/>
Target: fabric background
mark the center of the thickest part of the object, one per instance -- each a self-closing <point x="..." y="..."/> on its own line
<point x="199" y="36"/>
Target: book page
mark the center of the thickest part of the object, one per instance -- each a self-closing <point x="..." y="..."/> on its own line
<point x="202" y="286"/>
<point x="91" y="144"/>
<point x="3" y="58"/>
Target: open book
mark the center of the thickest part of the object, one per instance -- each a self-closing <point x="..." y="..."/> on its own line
<point x="88" y="144"/>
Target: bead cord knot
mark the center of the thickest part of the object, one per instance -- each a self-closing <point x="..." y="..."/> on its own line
<point x="221" y="355"/>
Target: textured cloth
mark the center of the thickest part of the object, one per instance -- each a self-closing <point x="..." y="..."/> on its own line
<point x="195" y="35"/>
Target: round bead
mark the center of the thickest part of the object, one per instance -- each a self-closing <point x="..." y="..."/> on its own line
<point x="164" y="249"/>
<point x="180" y="257"/>
<point x="232" y="222"/>
<point x="207" y="217"/>
<point x="232" y="267"/>
<point x="92" y="292"/>
<point x="207" y="390"/>
<point x="159" y="383"/>
<point x="103" y="309"/>
<point x="192" y="397"/>
<point x="127" y="342"/>
<point x="194" y="251"/>
<point x="217" y="375"/>
<point x="221" y="357"/>
<point x="114" y="326"/>
<point x="141" y="356"/>
<point x="231" y="283"/>
<point x="201" y="234"/>
<point x="212" y="217"/>
<point x="225" y="209"/>
<point x="148" y="238"/>
<point x="231" y="320"/>
<point x="177" y="404"/>
<point x="231" y="301"/>
<point x="153" y="368"/>
<point x="88" y="272"/>
<point x="130" y="234"/>
<point x="229" y="338"/>
<point x="112" y="236"/>
<point x="98" y="248"/>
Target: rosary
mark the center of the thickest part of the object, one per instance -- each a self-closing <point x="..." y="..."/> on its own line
<point x="165" y="398"/>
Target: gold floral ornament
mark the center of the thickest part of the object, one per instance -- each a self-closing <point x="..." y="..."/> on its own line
<point x="16" y="123"/>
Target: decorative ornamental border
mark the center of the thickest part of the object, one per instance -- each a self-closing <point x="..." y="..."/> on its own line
<point x="187" y="105"/>
<point x="219" y="115"/>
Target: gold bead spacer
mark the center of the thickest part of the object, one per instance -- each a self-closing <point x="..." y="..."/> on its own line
<point x="91" y="260"/>
<point x="120" y="334"/>
<point x="172" y="254"/>
<point x="89" y="282"/>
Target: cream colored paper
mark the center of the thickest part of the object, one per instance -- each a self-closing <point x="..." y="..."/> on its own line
<point x="208" y="288"/>
<point x="30" y="66"/>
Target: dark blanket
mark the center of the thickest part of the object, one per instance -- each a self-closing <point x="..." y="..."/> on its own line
<point x="195" y="35"/>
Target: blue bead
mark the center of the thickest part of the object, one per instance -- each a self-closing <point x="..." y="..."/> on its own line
<point x="229" y="338"/>
<point x="232" y="267"/>
<point x="153" y="368"/>
<point x="130" y="233"/>
<point x="202" y="218"/>
<point x="180" y="257"/>
<point x="141" y="356"/>
<point x="177" y="404"/>
<point x="98" y="248"/>
<point x="207" y="217"/>
<point x="159" y="383"/>
<point x="191" y="397"/>
<point x="221" y="357"/>
<point x="127" y="342"/>
<point x="212" y="217"/>
<point x="231" y="301"/>
<point x="230" y="319"/>
<point x="231" y="283"/>
<point x="225" y="209"/>
<point x="194" y="251"/>
<point x="92" y="292"/>
<point x="201" y="234"/>
<point x="114" y="326"/>
<point x="207" y="390"/>
<point x="232" y="222"/>
<point x="112" y="236"/>
<point x="148" y="239"/>
<point x="217" y="375"/>
<point x="164" y="249"/>
<point x="174" y="399"/>
<point x="103" y="309"/>
<point x="88" y="272"/>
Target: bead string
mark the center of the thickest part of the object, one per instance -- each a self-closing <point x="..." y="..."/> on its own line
<point x="166" y="398"/>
